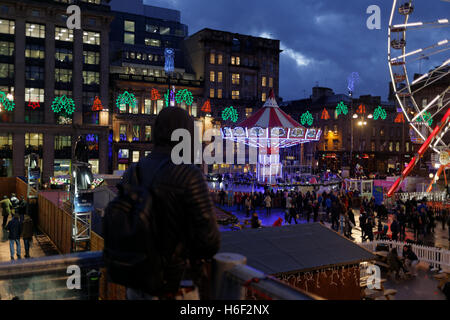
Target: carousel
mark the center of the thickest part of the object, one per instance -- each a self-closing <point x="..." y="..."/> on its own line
<point x="269" y="130"/>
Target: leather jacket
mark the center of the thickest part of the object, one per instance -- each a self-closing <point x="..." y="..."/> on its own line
<point x="188" y="228"/>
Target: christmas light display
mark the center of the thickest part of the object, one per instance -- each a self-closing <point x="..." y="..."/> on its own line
<point x="361" y="109"/>
<point x="97" y="106"/>
<point x="170" y="95"/>
<point x="379" y="113"/>
<point x="325" y="115"/>
<point x="126" y="98"/>
<point x="63" y="104"/>
<point x="169" y="64"/>
<point x="307" y="118"/>
<point x="426" y="118"/>
<point x="184" y="95"/>
<point x="341" y="109"/>
<point x="231" y="114"/>
<point x="352" y="80"/>
<point x="155" y="95"/>
<point x="400" y="118"/>
<point x="34" y="104"/>
<point x="207" y="106"/>
<point x="7" y="103"/>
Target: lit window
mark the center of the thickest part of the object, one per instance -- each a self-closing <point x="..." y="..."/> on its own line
<point x="264" y="81"/>
<point x="147" y="106"/>
<point x="235" y="78"/>
<point x="164" y="30"/>
<point x="219" y="93"/>
<point x="212" y="76"/>
<point x="63" y="55"/>
<point x="264" y="97"/>
<point x="90" y="37"/>
<point x="211" y="93"/>
<point x="219" y="77"/>
<point x="152" y="29"/>
<point x="248" y="112"/>
<point x="135" y="156"/>
<point x="6" y="71"/>
<point x="91" y="57"/>
<point x="148" y="133"/>
<point x="270" y="82"/>
<point x="34" y="94"/>
<point x="136" y="133"/>
<point x="7" y="26"/>
<point x="124" y="153"/>
<point x="34" y="140"/>
<point x="219" y="59"/>
<point x="91" y="77"/>
<point x="123" y="132"/>
<point x="152" y="42"/>
<point x="129" y="26"/>
<point x="35" y="30"/>
<point x="128" y="38"/>
<point x="63" y="75"/>
<point x="407" y="146"/>
<point x="63" y="34"/>
<point x="233" y="60"/>
<point x="235" y="94"/>
<point x="397" y="146"/>
<point x="391" y="146"/>
<point x="6" y="48"/>
<point x="212" y="58"/>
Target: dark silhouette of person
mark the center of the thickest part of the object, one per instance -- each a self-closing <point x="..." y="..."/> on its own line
<point x="81" y="150"/>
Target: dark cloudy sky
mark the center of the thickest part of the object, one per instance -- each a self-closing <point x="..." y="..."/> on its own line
<point x="323" y="40"/>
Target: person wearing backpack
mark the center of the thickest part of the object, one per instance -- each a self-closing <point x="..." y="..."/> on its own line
<point x="162" y="227"/>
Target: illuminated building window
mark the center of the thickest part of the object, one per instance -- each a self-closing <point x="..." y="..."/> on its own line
<point x="7" y="26"/>
<point x="90" y="37"/>
<point x="212" y="58"/>
<point x="235" y="78"/>
<point x="264" y="81"/>
<point x="6" y="48"/>
<point x="135" y="156"/>
<point x="219" y="93"/>
<point x="123" y="132"/>
<point x="270" y="82"/>
<point x="148" y="133"/>
<point x="219" y="77"/>
<point x="212" y="76"/>
<point x="136" y="132"/>
<point x="34" y="30"/>
<point x="264" y="97"/>
<point x="63" y="34"/>
<point x="235" y="95"/>
<point x="219" y="59"/>
<point x="152" y="42"/>
<point x="211" y="93"/>
<point x="90" y="57"/>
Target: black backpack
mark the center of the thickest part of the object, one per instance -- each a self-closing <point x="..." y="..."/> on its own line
<point x="131" y="251"/>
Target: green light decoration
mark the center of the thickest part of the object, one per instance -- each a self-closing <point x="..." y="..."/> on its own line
<point x="6" y="102"/>
<point x="379" y="113"/>
<point x="231" y="114"/>
<point x="426" y="118"/>
<point x="64" y="104"/>
<point x="341" y="109"/>
<point x="184" y="95"/>
<point x="126" y="98"/>
<point x="307" y="118"/>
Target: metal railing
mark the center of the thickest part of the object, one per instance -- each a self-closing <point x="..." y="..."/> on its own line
<point x="77" y="277"/>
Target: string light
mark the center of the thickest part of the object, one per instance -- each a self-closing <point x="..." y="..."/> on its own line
<point x="126" y="98"/>
<point x="97" y="106"/>
<point x="207" y="106"/>
<point x="155" y="95"/>
<point x="34" y="104"/>
<point x="64" y="104"/>
<point x="379" y="113"/>
<point x="184" y="95"/>
<point x="325" y="114"/>
<point x="6" y="101"/>
<point x="341" y="109"/>
<point x="230" y="113"/>
<point x="307" y="118"/>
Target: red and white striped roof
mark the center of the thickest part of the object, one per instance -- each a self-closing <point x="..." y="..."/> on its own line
<point x="270" y="116"/>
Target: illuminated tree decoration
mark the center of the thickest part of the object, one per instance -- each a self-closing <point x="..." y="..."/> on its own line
<point x="207" y="106"/>
<point x="155" y="95"/>
<point x="97" y="106"/>
<point x="231" y="114"/>
<point x="426" y="118"/>
<point x="170" y="95"/>
<point x="341" y="109"/>
<point x="184" y="95"/>
<point x="126" y="98"/>
<point x="379" y="113"/>
<point x="400" y="118"/>
<point x="6" y="102"/>
<point x="307" y="118"/>
<point x="34" y="104"/>
<point x="325" y="115"/>
<point x="63" y="104"/>
<point x="361" y="109"/>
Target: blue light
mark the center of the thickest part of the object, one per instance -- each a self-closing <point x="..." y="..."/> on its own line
<point x="353" y="79"/>
<point x="169" y="64"/>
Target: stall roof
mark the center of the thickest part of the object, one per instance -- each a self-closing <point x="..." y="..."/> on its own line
<point x="293" y="248"/>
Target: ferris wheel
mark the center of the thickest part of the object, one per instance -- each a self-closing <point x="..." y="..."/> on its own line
<point x="428" y="117"/>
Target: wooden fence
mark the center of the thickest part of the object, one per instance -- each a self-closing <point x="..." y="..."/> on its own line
<point x="436" y="257"/>
<point x="56" y="223"/>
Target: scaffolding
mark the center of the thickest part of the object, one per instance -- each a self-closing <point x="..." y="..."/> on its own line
<point x="82" y="204"/>
<point x="33" y="178"/>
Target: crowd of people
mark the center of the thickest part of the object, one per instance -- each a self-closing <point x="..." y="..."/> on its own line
<point x="20" y="225"/>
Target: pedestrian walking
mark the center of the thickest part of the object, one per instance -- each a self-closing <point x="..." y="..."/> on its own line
<point x="268" y="203"/>
<point x="6" y="209"/>
<point x="27" y="234"/>
<point x="14" y="229"/>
